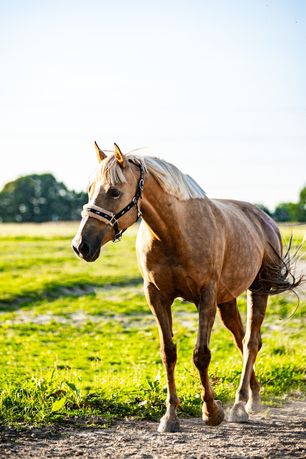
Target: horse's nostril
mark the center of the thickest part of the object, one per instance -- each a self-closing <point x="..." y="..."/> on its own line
<point x="75" y="249"/>
<point x="84" y="248"/>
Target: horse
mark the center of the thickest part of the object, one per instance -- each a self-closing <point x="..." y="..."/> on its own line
<point x="206" y="251"/>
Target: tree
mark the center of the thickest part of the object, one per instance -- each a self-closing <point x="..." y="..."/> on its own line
<point x="264" y="208"/>
<point x="286" y="212"/>
<point x="291" y="211"/>
<point x="302" y="206"/>
<point x="39" y="198"/>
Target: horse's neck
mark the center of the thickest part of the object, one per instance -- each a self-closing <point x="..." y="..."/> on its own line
<point x="161" y="211"/>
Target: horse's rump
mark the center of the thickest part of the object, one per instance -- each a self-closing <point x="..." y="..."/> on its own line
<point x="277" y="272"/>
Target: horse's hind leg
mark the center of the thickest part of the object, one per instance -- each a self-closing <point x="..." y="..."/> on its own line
<point x="256" y="308"/>
<point x="230" y="316"/>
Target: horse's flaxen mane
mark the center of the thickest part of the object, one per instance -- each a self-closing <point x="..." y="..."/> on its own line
<point x="169" y="177"/>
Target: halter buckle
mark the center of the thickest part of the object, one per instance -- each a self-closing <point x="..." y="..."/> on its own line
<point x="113" y="220"/>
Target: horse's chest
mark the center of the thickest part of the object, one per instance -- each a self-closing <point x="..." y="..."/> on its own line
<point x="177" y="270"/>
<point x="177" y="277"/>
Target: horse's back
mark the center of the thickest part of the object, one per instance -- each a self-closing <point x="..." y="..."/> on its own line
<point x="244" y="216"/>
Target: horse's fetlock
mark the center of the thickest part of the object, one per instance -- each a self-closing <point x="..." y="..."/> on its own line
<point x="243" y="395"/>
<point x="254" y="385"/>
<point x="173" y="401"/>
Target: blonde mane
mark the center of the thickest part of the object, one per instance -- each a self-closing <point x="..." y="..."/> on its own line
<point x="169" y="177"/>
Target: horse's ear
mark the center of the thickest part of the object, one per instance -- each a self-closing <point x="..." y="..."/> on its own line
<point x="119" y="155"/>
<point x="100" y="153"/>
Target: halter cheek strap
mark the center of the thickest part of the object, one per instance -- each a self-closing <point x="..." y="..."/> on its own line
<point x="91" y="210"/>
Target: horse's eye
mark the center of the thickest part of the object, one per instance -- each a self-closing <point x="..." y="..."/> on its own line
<point x="113" y="193"/>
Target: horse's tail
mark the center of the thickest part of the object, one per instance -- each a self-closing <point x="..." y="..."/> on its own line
<point x="278" y="273"/>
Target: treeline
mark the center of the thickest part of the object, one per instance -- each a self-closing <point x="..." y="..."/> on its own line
<point x="41" y="198"/>
<point x="289" y="211"/>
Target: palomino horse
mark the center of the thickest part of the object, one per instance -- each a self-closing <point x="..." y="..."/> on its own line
<point x="205" y="251"/>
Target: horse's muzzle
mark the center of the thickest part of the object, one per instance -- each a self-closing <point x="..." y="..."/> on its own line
<point x="85" y="250"/>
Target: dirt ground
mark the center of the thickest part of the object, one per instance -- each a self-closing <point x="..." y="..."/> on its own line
<point x="275" y="433"/>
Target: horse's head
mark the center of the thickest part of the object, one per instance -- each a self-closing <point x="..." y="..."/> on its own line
<point x="112" y="206"/>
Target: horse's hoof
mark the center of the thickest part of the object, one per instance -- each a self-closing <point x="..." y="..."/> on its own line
<point x="216" y="418"/>
<point x="168" y="425"/>
<point x="238" y="413"/>
<point x="253" y="405"/>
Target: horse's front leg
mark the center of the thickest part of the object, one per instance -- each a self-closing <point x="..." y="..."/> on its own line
<point x="161" y="308"/>
<point x="213" y="413"/>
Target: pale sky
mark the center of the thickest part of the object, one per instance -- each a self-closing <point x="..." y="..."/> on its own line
<point x="216" y="87"/>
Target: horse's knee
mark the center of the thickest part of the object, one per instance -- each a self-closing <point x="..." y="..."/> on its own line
<point x="201" y="357"/>
<point x="251" y="345"/>
<point x="168" y="354"/>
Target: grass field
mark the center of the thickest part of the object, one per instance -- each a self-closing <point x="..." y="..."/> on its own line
<point x="78" y="341"/>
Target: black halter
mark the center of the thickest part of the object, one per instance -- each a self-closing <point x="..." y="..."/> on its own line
<point x="90" y="210"/>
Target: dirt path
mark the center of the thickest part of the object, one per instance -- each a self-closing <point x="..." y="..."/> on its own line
<point x="276" y="433"/>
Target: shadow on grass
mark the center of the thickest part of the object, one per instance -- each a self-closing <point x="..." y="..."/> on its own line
<point x="55" y="290"/>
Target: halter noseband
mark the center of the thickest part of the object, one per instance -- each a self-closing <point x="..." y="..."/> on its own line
<point x="91" y="210"/>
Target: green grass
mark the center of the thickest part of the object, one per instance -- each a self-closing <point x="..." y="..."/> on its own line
<point x="78" y="340"/>
<point x="34" y="267"/>
<point x="298" y="232"/>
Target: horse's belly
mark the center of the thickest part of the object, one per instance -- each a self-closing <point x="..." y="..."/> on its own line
<point x="234" y="282"/>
